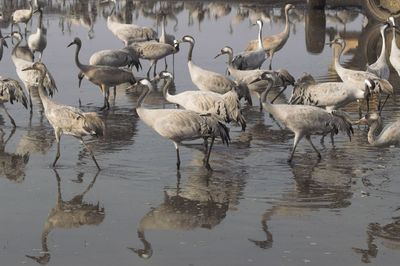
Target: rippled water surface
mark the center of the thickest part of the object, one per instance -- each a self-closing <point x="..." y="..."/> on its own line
<point x="253" y="209"/>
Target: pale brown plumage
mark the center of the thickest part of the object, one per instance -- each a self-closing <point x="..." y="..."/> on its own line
<point x="66" y="119"/>
<point x="274" y="43"/>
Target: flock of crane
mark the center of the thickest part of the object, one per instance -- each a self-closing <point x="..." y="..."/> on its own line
<point x="313" y="109"/>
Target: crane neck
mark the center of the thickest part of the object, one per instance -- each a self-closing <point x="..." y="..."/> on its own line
<point x="142" y="96"/>
<point x="42" y="92"/>
<point x="373" y="131"/>
<point x="260" y="40"/>
<point x="190" y="51"/>
<point x="287" y="22"/>
<point x="40" y="23"/>
<point x="77" y="50"/>
<point x="265" y="103"/>
<point x="383" y="50"/>
<point x="16" y="46"/>
<point x="394" y="44"/>
<point x="337" y="53"/>
<point x="166" y="88"/>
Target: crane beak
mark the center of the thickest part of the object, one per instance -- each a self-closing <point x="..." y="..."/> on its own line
<point x="255" y="80"/>
<point x="72" y="43"/>
<point x="362" y="121"/>
<point x="28" y="68"/>
<point x="217" y="55"/>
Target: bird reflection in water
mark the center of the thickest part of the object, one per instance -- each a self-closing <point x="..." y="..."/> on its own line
<point x="12" y="165"/>
<point x="389" y="235"/>
<point x="202" y="202"/>
<point x="67" y="215"/>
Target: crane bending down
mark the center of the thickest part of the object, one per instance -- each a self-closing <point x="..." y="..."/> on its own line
<point x="11" y="91"/>
<point x="390" y="134"/>
<point x="179" y="125"/>
<point x="304" y="120"/>
<point x="66" y="119"/>
<point x="226" y="106"/>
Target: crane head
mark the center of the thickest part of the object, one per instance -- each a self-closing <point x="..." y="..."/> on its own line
<point x="188" y="38"/>
<point x="225" y="50"/>
<point x="76" y="41"/>
<point x="37" y="66"/>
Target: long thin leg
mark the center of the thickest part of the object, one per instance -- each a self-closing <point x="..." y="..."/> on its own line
<point x="207" y="159"/>
<point x="8" y="114"/>
<point x="30" y="100"/>
<point x="57" y="132"/>
<point x="155" y="69"/>
<point x="312" y="145"/>
<point x="91" y="153"/>
<point x="178" y="159"/>
<point x="270" y="60"/>
<point x="151" y="65"/>
<point x="295" y="142"/>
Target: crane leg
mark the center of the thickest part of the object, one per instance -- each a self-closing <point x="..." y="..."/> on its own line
<point x="178" y="159"/>
<point x="205" y="143"/>
<point x="270" y="61"/>
<point x="155" y="69"/>
<point x="207" y="158"/>
<point x="8" y="114"/>
<point x="91" y="153"/>
<point x="295" y="142"/>
<point x="261" y="106"/>
<point x="312" y="145"/>
<point x="58" y="138"/>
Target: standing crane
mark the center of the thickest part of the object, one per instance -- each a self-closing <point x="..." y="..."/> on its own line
<point x="226" y="106"/>
<point x="253" y="59"/>
<point x="274" y="43"/>
<point x="66" y="119"/>
<point x="102" y="76"/>
<point x="179" y="125"/>
<point x="305" y="120"/>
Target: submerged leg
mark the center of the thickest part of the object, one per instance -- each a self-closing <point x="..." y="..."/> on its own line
<point x="295" y="142"/>
<point x="178" y="159"/>
<point x="312" y="145"/>
<point x="207" y="158"/>
<point x="91" y="153"/>
<point x="8" y="114"/>
<point x="57" y="132"/>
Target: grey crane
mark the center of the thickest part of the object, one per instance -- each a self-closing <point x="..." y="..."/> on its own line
<point x="226" y="106"/>
<point x="357" y="77"/>
<point x="390" y="134"/>
<point x="207" y="80"/>
<point x="22" y="16"/>
<point x="11" y="91"/>
<point x="179" y="125"/>
<point x="30" y="78"/>
<point x="251" y="59"/>
<point x="155" y="51"/>
<point x="330" y="95"/>
<point x="125" y="57"/>
<point x="102" y="76"/>
<point x="280" y="77"/>
<point x="381" y="68"/>
<point x="37" y="41"/>
<point x="394" y="57"/>
<point x="274" y="43"/>
<point x="66" y="119"/>
<point x="305" y="120"/>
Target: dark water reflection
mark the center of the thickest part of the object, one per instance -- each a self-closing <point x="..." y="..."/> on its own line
<point x="253" y="208"/>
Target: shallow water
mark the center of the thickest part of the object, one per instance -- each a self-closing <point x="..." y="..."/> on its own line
<point x="253" y="209"/>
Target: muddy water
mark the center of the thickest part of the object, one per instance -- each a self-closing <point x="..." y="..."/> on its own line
<point x="253" y="209"/>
